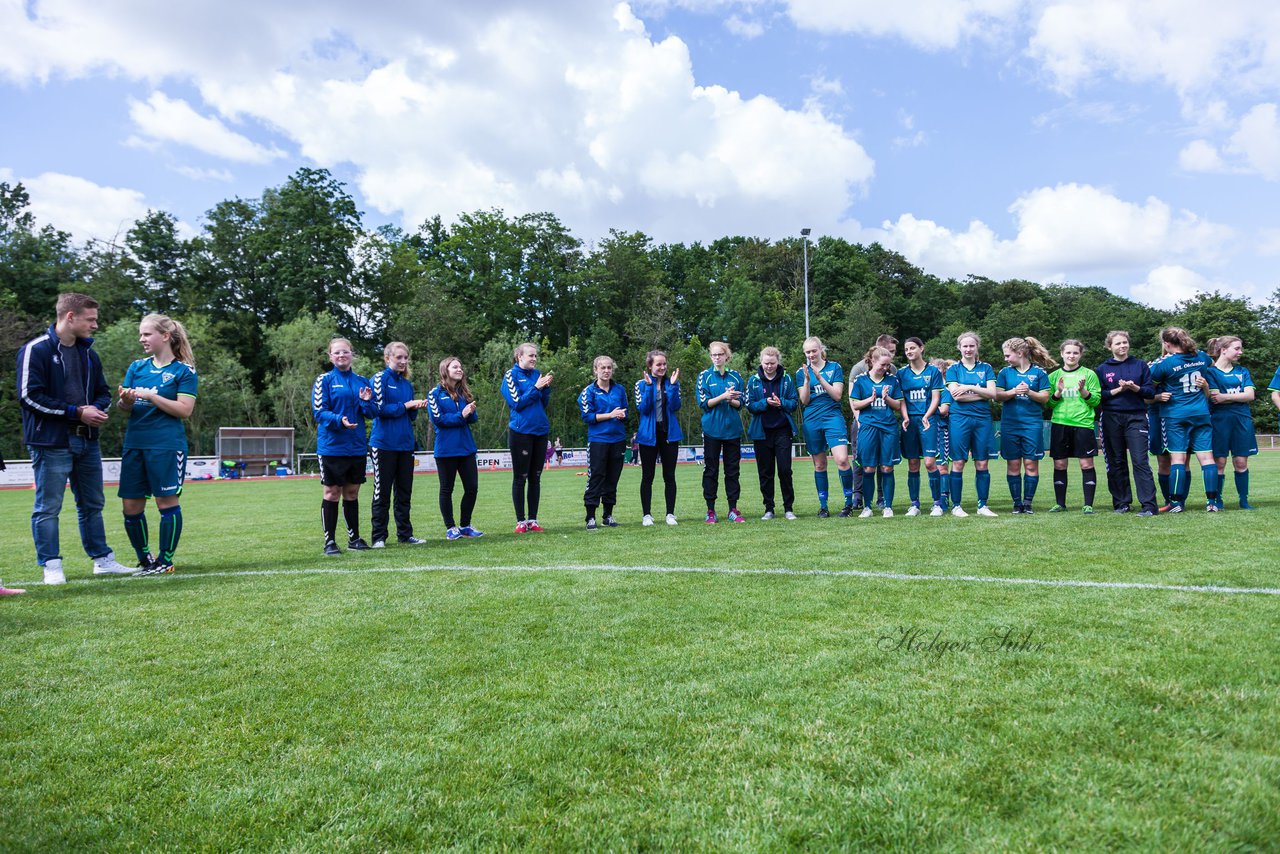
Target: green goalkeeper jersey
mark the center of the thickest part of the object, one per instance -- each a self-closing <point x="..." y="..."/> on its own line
<point x="1073" y="407"/>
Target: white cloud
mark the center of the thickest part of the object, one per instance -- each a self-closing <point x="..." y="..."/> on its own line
<point x="744" y="28"/>
<point x="928" y="24"/>
<point x="195" y="173"/>
<point x="83" y="208"/>
<point x="163" y="119"/>
<point x="1269" y="242"/>
<point x="1062" y="232"/>
<point x="1257" y="141"/>
<point x="1200" y="156"/>
<point x="1170" y="284"/>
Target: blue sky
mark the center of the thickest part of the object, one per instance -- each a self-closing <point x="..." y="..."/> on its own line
<point x="1133" y="144"/>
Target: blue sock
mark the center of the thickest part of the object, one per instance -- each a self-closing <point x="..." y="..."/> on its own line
<point x="913" y="486"/>
<point x="1242" y="486"/>
<point x="820" y="479"/>
<point x="1029" y="484"/>
<point x="1164" y="487"/>
<point x="170" y="531"/>
<point x="1179" y="484"/>
<point x="846" y="483"/>
<point x="888" y="482"/>
<point x="1210" y="474"/>
<point x="935" y="485"/>
<point x="957" y="487"/>
<point x="868" y="487"/>
<point x="1015" y="488"/>
<point x="982" y="480"/>
<point x="136" y="528"/>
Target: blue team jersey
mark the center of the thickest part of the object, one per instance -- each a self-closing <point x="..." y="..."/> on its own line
<point x="980" y="374"/>
<point x="820" y="403"/>
<point x="1177" y="374"/>
<point x="148" y="427"/>
<point x="918" y="388"/>
<point x="879" y="414"/>
<point x="1021" y="414"/>
<point x="1233" y="381"/>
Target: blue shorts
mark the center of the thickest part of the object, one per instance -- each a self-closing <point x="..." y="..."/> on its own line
<point x="145" y="472"/>
<point x="1189" y="435"/>
<point x="824" y="434"/>
<point x="1022" y="444"/>
<point x="1157" y="442"/>
<point x="878" y="447"/>
<point x="972" y="436"/>
<point x="1233" y="436"/>
<point x="917" y="442"/>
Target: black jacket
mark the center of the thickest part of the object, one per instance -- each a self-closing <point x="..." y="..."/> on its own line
<point x="47" y="418"/>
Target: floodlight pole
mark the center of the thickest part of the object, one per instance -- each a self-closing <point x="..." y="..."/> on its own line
<point x="804" y="234"/>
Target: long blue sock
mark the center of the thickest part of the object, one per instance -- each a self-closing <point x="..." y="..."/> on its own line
<point x="170" y="531"/>
<point x="1029" y="484"/>
<point x="982" y="480"/>
<point x="913" y="486"/>
<point x="1015" y="488"/>
<point x="846" y="483"/>
<point x="935" y="485"/>
<point x="1164" y="487"/>
<point x="1179" y="483"/>
<point x="868" y="488"/>
<point x="1210" y="474"/>
<point x="136" y="528"/>
<point x="944" y="481"/>
<point x="820" y="479"/>
<point x="1242" y="486"/>
<point x="957" y="487"/>
<point x="888" y="483"/>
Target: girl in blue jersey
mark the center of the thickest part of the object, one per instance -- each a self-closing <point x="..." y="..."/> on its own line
<point x="943" y="420"/>
<point x="771" y="398"/>
<point x="339" y="404"/>
<point x="391" y="444"/>
<point x="1230" y="393"/>
<point x="527" y="393"/>
<point x="603" y="407"/>
<point x="158" y="392"/>
<point x="877" y="397"/>
<point x="820" y="389"/>
<point x="659" y="433"/>
<point x="721" y="393"/>
<point x="921" y="385"/>
<point x="972" y="384"/>
<point x="452" y="408"/>
<point x="1187" y="424"/>
<point x="1023" y="387"/>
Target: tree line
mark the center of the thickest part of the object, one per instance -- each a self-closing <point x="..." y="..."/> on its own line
<point x="268" y="281"/>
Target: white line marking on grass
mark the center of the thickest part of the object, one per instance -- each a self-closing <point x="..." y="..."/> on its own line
<point x="711" y="570"/>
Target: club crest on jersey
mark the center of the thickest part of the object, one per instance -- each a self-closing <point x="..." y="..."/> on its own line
<point x="167" y="377"/>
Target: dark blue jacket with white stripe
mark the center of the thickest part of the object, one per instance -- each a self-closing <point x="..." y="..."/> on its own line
<point x="453" y="431"/>
<point x="336" y="395"/>
<point x="47" y="418"/>
<point x="646" y="397"/>
<point x="392" y="423"/>
<point x="596" y="401"/>
<point x="528" y="403"/>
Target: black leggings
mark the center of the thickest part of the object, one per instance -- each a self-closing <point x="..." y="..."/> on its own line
<point x="528" y="456"/>
<point x="464" y="467"/>
<point x="669" y="452"/>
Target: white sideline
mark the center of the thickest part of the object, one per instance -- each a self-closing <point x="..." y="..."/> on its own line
<point x="838" y="573"/>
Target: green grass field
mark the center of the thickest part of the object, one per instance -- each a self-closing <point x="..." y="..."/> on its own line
<point x="534" y="692"/>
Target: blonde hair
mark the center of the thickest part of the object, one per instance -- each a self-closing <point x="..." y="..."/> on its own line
<point x="816" y="340"/>
<point x="601" y="360"/>
<point x="1113" y="335"/>
<point x="1178" y="337"/>
<point x="723" y="344"/>
<point x="1215" y="346"/>
<point x="1072" y="342"/>
<point x="874" y="353"/>
<point x="771" y="351"/>
<point x="521" y="349"/>
<point x="179" y="341"/>
<point x="391" y="348"/>
<point x="1032" y="349"/>
<point x="963" y="335"/>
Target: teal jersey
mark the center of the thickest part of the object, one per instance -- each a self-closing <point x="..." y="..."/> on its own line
<point x="980" y="374"/>
<point x="820" y="404"/>
<point x="1177" y="374"/>
<point x="918" y="388"/>
<point x="148" y="427"/>
<point x="1021" y="414"/>
<point x="1233" y="381"/>
<point x="878" y="414"/>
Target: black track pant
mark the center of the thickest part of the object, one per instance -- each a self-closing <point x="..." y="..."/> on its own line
<point x="528" y="455"/>
<point x="711" y="450"/>
<point x="604" y="467"/>
<point x="668" y="452"/>
<point x="774" y="451"/>
<point x="465" y="468"/>
<point x="392" y="482"/>
<point x="1125" y="433"/>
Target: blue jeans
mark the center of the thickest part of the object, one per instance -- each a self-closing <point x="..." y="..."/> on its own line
<point x="81" y="464"/>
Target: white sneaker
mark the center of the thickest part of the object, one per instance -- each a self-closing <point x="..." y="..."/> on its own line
<point x="379" y="544"/>
<point x="866" y="513"/>
<point x="768" y="514"/>
<point x="110" y="566"/>
<point x="647" y="521"/>
<point x="937" y="510"/>
<point x="913" y="510"/>
<point x="984" y="510"/>
<point x="671" y="519"/>
<point x="789" y="516"/>
<point x="53" y="572"/>
<point x="888" y="513"/>
<point x="958" y="512"/>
